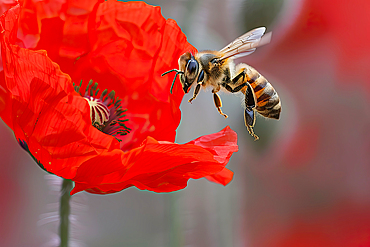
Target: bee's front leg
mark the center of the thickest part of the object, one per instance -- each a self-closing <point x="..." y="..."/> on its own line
<point x="196" y="91"/>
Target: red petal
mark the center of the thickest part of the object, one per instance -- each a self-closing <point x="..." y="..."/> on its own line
<point x="221" y="144"/>
<point x="223" y="177"/>
<point x="159" y="166"/>
<point x="226" y="137"/>
<point x="78" y="18"/>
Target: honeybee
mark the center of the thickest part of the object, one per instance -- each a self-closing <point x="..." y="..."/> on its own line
<point x="216" y="69"/>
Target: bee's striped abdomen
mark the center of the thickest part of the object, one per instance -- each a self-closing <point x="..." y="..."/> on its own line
<point x="268" y="102"/>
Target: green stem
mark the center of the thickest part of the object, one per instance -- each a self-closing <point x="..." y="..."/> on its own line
<point x="64" y="212"/>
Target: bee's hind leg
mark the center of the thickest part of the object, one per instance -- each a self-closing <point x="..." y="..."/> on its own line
<point x="218" y="104"/>
<point x="249" y="120"/>
<point x="249" y="113"/>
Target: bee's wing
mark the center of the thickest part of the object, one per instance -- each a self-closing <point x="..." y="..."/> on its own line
<point x="246" y="44"/>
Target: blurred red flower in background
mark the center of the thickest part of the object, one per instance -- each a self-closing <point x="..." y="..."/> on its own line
<point x="126" y="47"/>
<point x="343" y="24"/>
<point x="316" y="191"/>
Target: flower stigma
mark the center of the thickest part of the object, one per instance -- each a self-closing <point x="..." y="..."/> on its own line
<point x="99" y="112"/>
<point x="106" y="112"/>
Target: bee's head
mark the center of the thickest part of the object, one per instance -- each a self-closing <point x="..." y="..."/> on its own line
<point x="189" y="71"/>
<point x="190" y="66"/>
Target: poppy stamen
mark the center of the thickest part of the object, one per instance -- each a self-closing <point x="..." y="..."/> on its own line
<point x="106" y="112"/>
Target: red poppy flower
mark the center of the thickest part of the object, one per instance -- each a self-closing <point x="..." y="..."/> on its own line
<point x="82" y="135"/>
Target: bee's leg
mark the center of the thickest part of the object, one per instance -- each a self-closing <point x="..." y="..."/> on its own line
<point x="218" y="104"/>
<point x="196" y="91"/>
<point x="249" y="113"/>
<point x="236" y="89"/>
<point x="249" y="120"/>
<point x="236" y="78"/>
<point x="235" y="81"/>
<point x="250" y="101"/>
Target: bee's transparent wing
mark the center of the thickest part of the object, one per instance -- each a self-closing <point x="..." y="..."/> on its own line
<point x="246" y="44"/>
<point x="252" y="35"/>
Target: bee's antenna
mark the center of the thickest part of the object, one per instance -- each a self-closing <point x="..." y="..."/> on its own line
<point x="177" y="72"/>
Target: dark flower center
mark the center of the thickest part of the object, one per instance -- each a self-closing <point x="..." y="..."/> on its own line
<point x="106" y="112"/>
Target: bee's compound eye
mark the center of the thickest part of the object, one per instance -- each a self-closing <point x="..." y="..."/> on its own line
<point x="201" y="76"/>
<point x="192" y="67"/>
